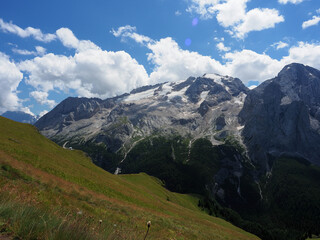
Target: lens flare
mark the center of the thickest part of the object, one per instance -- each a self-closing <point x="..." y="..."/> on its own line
<point x="187" y="42"/>
<point x="195" y="22"/>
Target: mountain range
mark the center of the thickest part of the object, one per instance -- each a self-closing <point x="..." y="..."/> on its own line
<point x="20" y="116"/>
<point x="211" y="135"/>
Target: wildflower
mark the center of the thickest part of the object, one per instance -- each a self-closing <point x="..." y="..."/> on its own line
<point x="148" y="224"/>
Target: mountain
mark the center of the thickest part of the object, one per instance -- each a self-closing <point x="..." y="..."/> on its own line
<point x="212" y="136"/>
<point x="47" y="192"/>
<point x="20" y="116"/>
<point x="188" y="107"/>
<point x="282" y="116"/>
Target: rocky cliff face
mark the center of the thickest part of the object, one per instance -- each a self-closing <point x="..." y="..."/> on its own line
<point x="206" y="106"/>
<point x="281" y="117"/>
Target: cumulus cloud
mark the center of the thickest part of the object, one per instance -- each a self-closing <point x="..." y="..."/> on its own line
<point x="306" y="53"/>
<point x="28" y="32"/>
<point x="280" y="45"/>
<point x="232" y="14"/>
<point x="251" y="66"/>
<point x="23" y="52"/>
<point x="203" y="7"/>
<point x="42" y="98"/>
<point x="27" y="110"/>
<point x="221" y="47"/>
<point x="128" y="31"/>
<point x="290" y="1"/>
<point x="171" y="63"/>
<point x="38" y="52"/>
<point x="91" y="72"/>
<point x="10" y="77"/>
<point x="69" y="40"/>
<point x="312" y="22"/>
<point x="258" y="19"/>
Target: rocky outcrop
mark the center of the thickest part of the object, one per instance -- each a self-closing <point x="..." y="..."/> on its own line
<point x="281" y="117"/>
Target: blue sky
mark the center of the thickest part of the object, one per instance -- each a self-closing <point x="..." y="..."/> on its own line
<point x="50" y="50"/>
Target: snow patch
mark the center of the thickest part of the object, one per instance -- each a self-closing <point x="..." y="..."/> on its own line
<point x="239" y="99"/>
<point x="215" y="77"/>
<point x="180" y="93"/>
<point x="204" y="95"/>
<point x="139" y="96"/>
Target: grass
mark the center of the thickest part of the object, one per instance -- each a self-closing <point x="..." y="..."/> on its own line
<point x="47" y="192"/>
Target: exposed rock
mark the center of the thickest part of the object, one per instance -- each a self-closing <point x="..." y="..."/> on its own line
<point x="281" y="116"/>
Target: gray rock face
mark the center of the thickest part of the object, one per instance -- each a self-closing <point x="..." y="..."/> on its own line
<point x="281" y="116"/>
<point x="198" y="107"/>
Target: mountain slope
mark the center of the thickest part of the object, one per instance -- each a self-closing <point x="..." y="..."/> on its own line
<point x="71" y="194"/>
<point x="204" y="106"/>
<point x="212" y="136"/>
<point x="282" y="117"/>
<point x="20" y="116"/>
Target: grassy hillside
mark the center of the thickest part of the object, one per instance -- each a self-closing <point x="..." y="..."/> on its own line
<point x="47" y="192"/>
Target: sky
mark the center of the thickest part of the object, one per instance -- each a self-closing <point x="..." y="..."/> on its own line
<point x="50" y="50"/>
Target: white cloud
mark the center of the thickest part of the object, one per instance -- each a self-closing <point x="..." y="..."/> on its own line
<point x="290" y="1"/>
<point x="23" y="52"/>
<point x="251" y="66"/>
<point x="280" y="45"/>
<point x="314" y="21"/>
<point x="232" y="14"/>
<point x="27" y="110"/>
<point x="203" y="7"/>
<point x="42" y="98"/>
<point x="68" y="39"/>
<point x="39" y="51"/>
<point x="173" y="64"/>
<point x="258" y="19"/>
<point x="130" y="32"/>
<point x="91" y="72"/>
<point x="306" y="53"/>
<point x="222" y="47"/>
<point x="218" y="39"/>
<point x="318" y="10"/>
<point x="44" y="112"/>
<point x="10" y="77"/>
<point x="28" y="32"/>
<point x="177" y="13"/>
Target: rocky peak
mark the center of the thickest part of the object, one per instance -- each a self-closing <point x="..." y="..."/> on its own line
<point x="281" y="116"/>
<point x="195" y="107"/>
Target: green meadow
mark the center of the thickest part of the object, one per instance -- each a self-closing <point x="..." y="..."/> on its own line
<point x="47" y="192"/>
